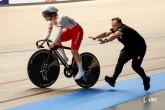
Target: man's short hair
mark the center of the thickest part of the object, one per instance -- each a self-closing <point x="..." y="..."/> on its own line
<point x="117" y="19"/>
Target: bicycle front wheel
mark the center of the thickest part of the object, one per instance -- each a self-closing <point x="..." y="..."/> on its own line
<point x="43" y="68"/>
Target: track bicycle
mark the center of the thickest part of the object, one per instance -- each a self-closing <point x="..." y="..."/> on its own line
<point x="43" y="67"/>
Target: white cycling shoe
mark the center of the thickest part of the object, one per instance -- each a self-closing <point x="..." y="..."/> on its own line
<point x="79" y="75"/>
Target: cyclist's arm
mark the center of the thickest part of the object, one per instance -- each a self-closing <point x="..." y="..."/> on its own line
<point x="59" y="26"/>
<point x="59" y="32"/>
<point x="48" y="33"/>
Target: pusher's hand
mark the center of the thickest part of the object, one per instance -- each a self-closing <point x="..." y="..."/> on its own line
<point x="101" y="41"/>
<point x="91" y="37"/>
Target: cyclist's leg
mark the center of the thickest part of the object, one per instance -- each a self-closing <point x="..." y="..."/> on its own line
<point x="78" y="59"/>
<point x="77" y="35"/>
<point x="64" y="37"/>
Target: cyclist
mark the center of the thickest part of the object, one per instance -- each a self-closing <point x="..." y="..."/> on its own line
<point x="134" y="48"/>
<point x="68" y="29"/>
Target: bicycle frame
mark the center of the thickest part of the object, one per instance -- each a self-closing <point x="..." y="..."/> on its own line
<point x="55" y="52"/>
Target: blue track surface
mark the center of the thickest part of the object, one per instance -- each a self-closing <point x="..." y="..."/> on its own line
<point x="98" y="98"/>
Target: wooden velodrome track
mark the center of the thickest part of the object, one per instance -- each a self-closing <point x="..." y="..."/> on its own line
<point x="22" y="26"/>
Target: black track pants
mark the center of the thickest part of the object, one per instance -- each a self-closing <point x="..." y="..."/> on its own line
<point x="125" y="56"/>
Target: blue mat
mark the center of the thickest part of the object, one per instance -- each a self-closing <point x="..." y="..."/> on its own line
<point x="98" y="98"/>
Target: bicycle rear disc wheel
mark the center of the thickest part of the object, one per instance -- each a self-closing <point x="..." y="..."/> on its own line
<point x="91" y="67"/>
<point x="43" y="69"/>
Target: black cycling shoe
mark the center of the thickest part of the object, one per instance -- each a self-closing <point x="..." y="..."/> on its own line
<point x="147" y="84"/>
<point x="110" y="81"/>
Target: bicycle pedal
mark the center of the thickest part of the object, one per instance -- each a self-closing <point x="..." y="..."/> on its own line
<point x="68" y="74"/>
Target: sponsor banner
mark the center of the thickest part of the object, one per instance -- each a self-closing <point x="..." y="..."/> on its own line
<point x="26" y="1"/>
<point x="29" y="1"/>
<point x="4" y="1"/>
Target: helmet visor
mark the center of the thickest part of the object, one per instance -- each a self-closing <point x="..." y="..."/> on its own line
<point x="46" y="14"/>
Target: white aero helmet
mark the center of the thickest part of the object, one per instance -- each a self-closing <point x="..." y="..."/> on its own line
<point x="48" y="11"/>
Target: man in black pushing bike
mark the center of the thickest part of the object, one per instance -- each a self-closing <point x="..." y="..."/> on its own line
<point x="68" y="29"/>
<point x="134" y="48"/>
